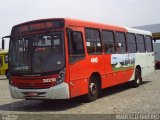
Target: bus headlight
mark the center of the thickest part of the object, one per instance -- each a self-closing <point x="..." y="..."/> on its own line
<point x="61" y="77"/>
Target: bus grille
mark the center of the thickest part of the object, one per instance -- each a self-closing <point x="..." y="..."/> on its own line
<point x="33" y="85"/>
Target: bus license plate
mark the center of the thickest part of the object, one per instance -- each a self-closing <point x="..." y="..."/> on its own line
<point x="32" y="94"/>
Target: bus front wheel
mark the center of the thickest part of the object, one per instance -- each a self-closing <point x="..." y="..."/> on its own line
<point x="93" y="89"/>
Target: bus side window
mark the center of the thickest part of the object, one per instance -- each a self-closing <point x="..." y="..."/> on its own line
<point x="148" y="43"/>
<point x="120" y="42"/>
<point x="93" y="41"/>
<point x="108" y="42"/>
<point x="140" y="43"/>
<point x="76" y="47"/>
<point x="131" y="43"/>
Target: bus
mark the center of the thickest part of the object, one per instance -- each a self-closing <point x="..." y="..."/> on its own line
<point x="62" y="58"/>
<point x="3" y="62"/>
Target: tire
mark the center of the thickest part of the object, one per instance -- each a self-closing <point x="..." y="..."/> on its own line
<point x="93" y="90"/>
<point x="138" y="79"/>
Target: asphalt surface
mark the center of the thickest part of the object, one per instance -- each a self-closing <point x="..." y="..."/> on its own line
<point x="121" y="99"/>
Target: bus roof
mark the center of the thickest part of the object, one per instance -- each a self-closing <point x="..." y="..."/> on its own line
<point x="75" y="22"/>
<point x="137" y="31"/>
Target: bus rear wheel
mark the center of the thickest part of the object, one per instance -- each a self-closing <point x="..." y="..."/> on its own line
<point x="138" y="79"/>
<point x="93" y="89"/>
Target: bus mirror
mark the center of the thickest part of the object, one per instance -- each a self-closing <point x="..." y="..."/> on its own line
<point x="3" y="43"/>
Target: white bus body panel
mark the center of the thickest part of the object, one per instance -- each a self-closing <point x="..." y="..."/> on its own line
<point x="145" y="60"/>
<point x="147" y="63"/>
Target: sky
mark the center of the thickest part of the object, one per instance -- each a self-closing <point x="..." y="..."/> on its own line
<point x="116" y="12"/>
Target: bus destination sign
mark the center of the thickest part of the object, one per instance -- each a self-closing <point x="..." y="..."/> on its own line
<point x="44" y="25"/>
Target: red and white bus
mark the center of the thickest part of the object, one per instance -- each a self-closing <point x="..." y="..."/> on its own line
<point x="64" y="58"/>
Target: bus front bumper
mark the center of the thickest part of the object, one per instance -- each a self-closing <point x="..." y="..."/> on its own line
<point x="60" y="91"/>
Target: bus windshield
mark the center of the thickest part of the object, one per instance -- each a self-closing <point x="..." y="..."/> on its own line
<point x="38" y="53"/>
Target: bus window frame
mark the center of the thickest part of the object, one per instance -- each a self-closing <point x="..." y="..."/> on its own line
<point x="100" y="38"/>
<point x="124" y="33"/>
<point x="141" y="43"/>
<point x="68" y="39"/>
<point x="151" y="42"/>
<point x="36" y="33"/>
<point x="130" y="43"/>
<point x="103" y="47"/>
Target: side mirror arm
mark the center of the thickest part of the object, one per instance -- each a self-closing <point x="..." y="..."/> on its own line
<point x="3" y="41"/>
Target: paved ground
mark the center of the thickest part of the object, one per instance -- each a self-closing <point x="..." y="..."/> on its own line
<point x="120" y="99"/>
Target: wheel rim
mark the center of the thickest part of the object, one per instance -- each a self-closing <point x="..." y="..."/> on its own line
<point x="93" y="89"/>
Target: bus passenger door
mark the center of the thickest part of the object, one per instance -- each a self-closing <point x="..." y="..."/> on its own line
<point x="77" y="63"/>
